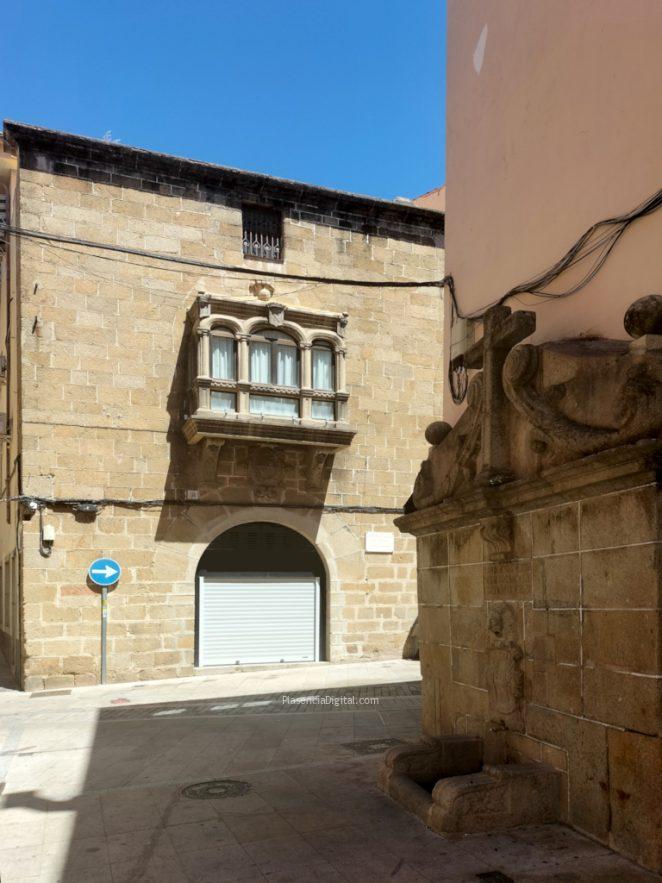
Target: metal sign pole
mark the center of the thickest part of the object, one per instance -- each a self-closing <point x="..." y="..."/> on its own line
<point x="104" y="572"/>
<point x="104" y="629"/>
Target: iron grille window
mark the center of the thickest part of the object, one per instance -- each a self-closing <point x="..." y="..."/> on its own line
<point x="262" y="233"/>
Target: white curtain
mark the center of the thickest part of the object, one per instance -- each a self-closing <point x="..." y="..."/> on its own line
<point x="286" y="366"/>
<point x="222" y="358"/>
<point x="274" y="406"/>
<point x="223" y="401"/>
<point x="260" y="362"/>
<point x="323" y="411"/>
<point x="322" y="368"/>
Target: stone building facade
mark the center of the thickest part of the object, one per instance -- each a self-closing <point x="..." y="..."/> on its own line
<point x="537" y="519"/>
<point x="185" y="381"/>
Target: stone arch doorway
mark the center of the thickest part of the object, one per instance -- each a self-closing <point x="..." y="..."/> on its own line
<point x="260" y="598"/>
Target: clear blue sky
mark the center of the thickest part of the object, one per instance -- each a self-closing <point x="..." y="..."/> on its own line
<point x="342" y="93"/>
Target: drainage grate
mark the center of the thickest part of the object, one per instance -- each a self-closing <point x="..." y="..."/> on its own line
<point x="494" y="877"/>
<point x="217" y="789"/>
<point x="372" y="746"/>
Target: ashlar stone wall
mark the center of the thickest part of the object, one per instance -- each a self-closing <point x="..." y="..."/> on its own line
<point x="103" y="356"/>
<point x="541" y="632"/>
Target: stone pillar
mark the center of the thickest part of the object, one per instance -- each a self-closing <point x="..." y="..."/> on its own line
<point x="243" y="368"/>
<point x="203" y="353"/>
<point x="340" y="370"/>
<point x="243" y="373"/>
<point x="204" y="397"/>
<point x="306" y="366"/>
<point x="306" y="381"/>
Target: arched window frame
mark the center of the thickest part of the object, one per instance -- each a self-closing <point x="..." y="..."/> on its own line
<point x="275" y="338"/>
<point x="271" y="395"/>
<point x="326" y="347"/>
<point x="323" y="404"/>
<point x="221" y="331"/>
<point x="222" y="393"/>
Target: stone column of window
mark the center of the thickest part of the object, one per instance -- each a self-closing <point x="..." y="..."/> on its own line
<point x="243" y="372"/>
<point x="204" y="369"/>
<point x="341" y="407"/>
<point x="203" y="353"/>
<point x="340" y="370"/>
<point x="306" y="379"/>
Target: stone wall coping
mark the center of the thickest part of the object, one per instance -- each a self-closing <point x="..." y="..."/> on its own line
<point x="65" y="144"/>
<point x="612" y="470"/>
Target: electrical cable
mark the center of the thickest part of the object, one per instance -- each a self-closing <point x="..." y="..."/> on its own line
<point x="244" y="271"/>
<point x="57" y="251"/>
<point x="583" y="248"/>
<point x="74" y="503"/>
<point x="578" y="252"/>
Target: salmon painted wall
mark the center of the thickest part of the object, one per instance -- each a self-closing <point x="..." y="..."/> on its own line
<point x="554" y="122"/>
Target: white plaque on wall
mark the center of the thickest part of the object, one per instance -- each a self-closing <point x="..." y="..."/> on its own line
<point x="379" y="541"/>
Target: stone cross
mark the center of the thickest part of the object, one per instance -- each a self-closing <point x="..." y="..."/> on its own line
<point x="502" y="330"/>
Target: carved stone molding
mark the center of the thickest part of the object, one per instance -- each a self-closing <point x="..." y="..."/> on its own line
<point x="636" y="393"/>
<point x="535" y="407"/>
<point x="314" y="433"/>
<point x="209" y="460"/>
<point x="505" y="683"/>
<point x="502" y="329"/>
<point x="271" y="464"/>
<point x="276" y="314"/>
<point x="498" y="536"/>
<point x="452" y="462"/>
<point x="261" y="290"/>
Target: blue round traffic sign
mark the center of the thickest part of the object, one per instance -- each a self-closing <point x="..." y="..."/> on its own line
<point x="104" y="571"/>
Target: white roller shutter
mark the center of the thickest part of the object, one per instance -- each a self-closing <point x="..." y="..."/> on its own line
<point x="258" y="618"/>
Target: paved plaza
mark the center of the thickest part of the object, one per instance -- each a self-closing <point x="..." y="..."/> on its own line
<point x="96" y="787"/>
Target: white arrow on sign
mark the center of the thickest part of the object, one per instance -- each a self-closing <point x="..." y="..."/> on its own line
<point x="106" y="571"/>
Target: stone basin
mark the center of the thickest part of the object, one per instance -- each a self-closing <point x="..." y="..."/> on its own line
<point x="446" y="784"/>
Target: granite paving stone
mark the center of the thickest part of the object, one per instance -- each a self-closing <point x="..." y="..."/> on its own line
<point x="93" y="790"/>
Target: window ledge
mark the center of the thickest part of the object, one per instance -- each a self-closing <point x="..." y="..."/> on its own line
<point x="262" y="260"/>
<point x="251" y="427"/>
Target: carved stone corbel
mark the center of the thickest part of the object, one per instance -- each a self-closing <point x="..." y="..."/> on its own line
<point x="211" y="449"/>
<point x="342" y="324"/>
<point x="317" y="467"/>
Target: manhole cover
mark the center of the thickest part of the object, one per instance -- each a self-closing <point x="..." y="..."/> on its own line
<point x="217" y="789"/>
<point x="372" y="746"/>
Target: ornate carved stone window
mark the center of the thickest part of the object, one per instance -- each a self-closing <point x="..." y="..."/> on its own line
<point x="265" y="371"/>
